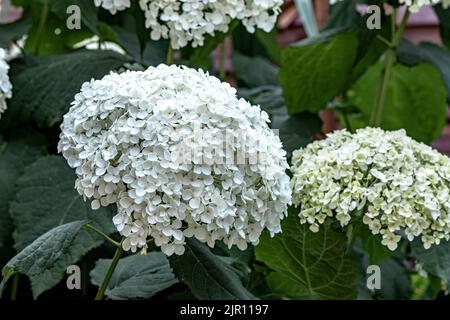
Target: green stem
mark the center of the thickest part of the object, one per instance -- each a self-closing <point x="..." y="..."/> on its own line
<point x="170" y="55"/>
<point x="15" y="286"/>
<point x="223" y="60"/>
<point x="391" y="57"/>
<point x="101" y="291"/>
<point x="347" y="122"/>
<point x="41" y="27"/>
<point x="351" y="237"/>
<point x="103" y="235"/>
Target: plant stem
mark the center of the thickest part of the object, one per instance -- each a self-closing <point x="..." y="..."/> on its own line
<point x="101" y="291"/>
<point x="223" y="60"/>
<point x="15" y="286"/>
<point x="170" y="55"/>
<point x="41" y="27"/>
<point x="103" y="235"/>
<point x="350" y="240"/>
<point x="391" y="57"/>
<point x="347" y="122"/>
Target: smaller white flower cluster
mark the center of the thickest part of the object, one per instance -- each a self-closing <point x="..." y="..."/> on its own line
<point x="5" y="84"/>
<point x="123" y="133"/>
<point x="386" y="179"/>
<point x="184" y="21"/>
<point x="414" y="5"/>
<point x="113" y="5"/>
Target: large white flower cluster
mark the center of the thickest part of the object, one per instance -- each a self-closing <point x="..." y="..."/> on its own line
<point x="122" y="134"/>
<point x="386" y="179"/>
<point x="5" y="84"/>
<point x="113" y="5"/>
<point x="184" y="21"/>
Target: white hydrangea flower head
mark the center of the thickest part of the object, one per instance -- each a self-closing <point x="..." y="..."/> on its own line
<point x="391" y="182"/>
<point x="414" y="5"/>
<point x="122" y="134"/>
<point x="113" y="5"/>
<point x="5" y="84"/>
<point x="185" y="21"/>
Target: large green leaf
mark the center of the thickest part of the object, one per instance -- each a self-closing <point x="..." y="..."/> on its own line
<point x="45" y="259"/>
<point x="207" y="275"/>
<point x="136" y="276"/>
<point x="411" y="55"/>
<point x="295" y="131"/>
<point x="343" y="14"/>
<point x="307" y="265"/>
<point x="416" y="100"/>
<point x="15" y="155"/>
<point x="44" y="90"/>
<point x="46" y="199"/>
<point x="371" y="243"/>
<point x="435" y="260"/>
<point x="315" y="71"/>
<point x="298" y="130"/>
<point x="254" y="71"/>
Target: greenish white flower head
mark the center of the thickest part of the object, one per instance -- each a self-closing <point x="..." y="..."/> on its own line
<point x="5" y="84"/>
<point x="113" y="5"/>
<point x="184" y="21"/>
<point x="123" y="134"/>
<point x="385" y="179"/>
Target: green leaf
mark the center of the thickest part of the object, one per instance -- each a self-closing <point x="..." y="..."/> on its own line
<point x="416" y="100"/>
<point x="269" y="98"/>
<point x="295" y="131"/>
<point x="435" y="260"/>
<point x="342" y="15"/>
<point x="254" y="71"/>
<point x="155" y="52"/>
<point x="15" y="155"/>
<point x="298" y="130"/>
<point x="307" y="265"/>
<point x="46" y="199"/>
<point x="372" y="245"/>
<point x="411" y="55"/>
<point x="136" y="276"/>
<point x="207" y="275"/>
<point x="129" y="41"/>
<point x="45" y="260"/>
<point x="315" y="71"/>
<point x="13" y="31"/>
<point x="44" y="90"/>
